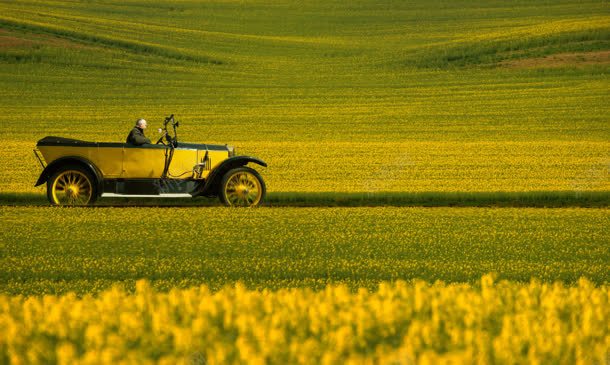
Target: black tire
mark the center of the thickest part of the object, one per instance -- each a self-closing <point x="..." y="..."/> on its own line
<point x="241" y="195"/>
<point x="85" y="186"/>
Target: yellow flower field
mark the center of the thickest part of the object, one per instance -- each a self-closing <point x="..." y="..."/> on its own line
<point x="394" y="166"/>
<point x="400" y="323"/>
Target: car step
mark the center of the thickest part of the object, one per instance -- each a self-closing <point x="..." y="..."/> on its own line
<point x="113" y="195"/>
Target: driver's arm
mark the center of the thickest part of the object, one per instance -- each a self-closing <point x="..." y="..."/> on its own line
<point x="136" y="138"/>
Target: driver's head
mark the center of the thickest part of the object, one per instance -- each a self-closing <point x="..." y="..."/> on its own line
<point x="141" y="123"/>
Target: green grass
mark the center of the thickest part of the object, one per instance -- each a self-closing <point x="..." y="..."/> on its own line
<point x="445" y="199"/>
<point x="47" y="250"/>
<point x="371" y="199"/>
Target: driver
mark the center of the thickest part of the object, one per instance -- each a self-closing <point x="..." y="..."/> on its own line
<point x="136" y="136"/>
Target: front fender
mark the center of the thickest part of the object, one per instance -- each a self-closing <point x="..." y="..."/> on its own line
<point x="212" y="183"/>
<point x="57" y="164"/>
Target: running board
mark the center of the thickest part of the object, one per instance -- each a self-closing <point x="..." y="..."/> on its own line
<point x="113" y="195"/>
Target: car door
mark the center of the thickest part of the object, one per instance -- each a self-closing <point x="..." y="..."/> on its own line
<point x="183" y="162"/>
<point x="108" y="158"/>
<point x="143" y="162"/>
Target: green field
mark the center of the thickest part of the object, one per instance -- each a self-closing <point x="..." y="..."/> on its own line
<point x="55" y="250"/>
<point x="444" y="143"/>
<point x="351" y="104"/>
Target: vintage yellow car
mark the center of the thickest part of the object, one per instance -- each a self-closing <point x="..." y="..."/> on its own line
<point x="78" y="172"/>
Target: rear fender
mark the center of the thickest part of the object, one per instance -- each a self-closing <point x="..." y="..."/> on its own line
<point x="212" y="183"/>
<point x="71" y="160"/>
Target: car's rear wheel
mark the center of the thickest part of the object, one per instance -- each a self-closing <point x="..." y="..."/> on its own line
<point x="242" y="187"/>
<point x="71" y="185"/>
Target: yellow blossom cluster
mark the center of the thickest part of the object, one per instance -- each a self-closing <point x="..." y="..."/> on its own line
<point x="399" y="323"/>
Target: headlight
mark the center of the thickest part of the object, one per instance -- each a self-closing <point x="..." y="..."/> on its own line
<point x="231" y="150"/>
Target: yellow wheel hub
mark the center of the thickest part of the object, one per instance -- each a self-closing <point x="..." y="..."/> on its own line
<point x="243" y="189"/>
<point x="72" y="191"/>
<point x="72" y="187"/>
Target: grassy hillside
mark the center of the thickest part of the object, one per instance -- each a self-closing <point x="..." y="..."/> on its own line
<point x="335" y="96"/>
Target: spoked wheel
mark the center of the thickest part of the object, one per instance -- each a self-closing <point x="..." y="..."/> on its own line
<point x="242" y="187"/>
<point x="71" y="186"/>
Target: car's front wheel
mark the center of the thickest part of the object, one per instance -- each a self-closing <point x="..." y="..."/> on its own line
<point x="71" y="185"/>
<point x="242" y="187"/>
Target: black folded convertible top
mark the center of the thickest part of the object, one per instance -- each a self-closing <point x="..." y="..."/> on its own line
<point x="61" y="141"/>
<point x="52" y="140"/>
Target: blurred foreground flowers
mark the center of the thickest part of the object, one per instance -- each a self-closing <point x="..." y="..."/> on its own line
<point x="400" y="323"/>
